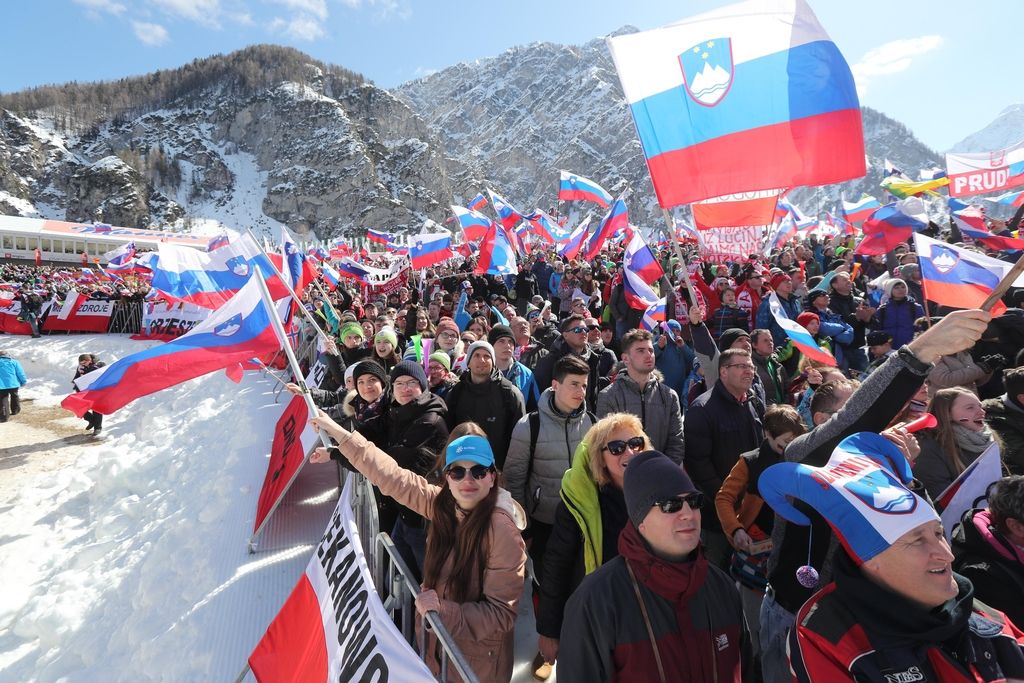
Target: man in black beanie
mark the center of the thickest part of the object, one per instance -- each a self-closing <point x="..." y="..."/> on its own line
<point x="503" y="340"/>
<point x="658" y="611"/>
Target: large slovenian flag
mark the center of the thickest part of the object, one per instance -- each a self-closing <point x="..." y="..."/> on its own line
<point x="572" y="187"/>
<point x="640" y="268"/>
<point x="574" y="244"/>
<point x="857" y="212"/>
<point x="615" y="220"/>
<point x="234" y="333"/>
<point x="474" y="225"/>
<point x="430" y="249"/>
<point x="801" y="338"/>
<point x="497" y="256"/>
<point x="546" y="227"/>
<point x="893" y="224"/>
<point x="751" y="96"/>
<point x="958" y="277"/>
<point x="209" y="279"/>
<point x="508" y="215"/>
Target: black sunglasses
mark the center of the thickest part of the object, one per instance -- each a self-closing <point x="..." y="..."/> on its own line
<point x="618" y="447"/>
<point x="672" y="505"/>
<point x="458" y="472"/>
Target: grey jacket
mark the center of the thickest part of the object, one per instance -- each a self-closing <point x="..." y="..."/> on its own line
<point x="557" y="438"/>
<point x="657" y="406"/>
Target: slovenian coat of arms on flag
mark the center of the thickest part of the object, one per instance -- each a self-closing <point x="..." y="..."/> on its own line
<point x="707" y="68"/>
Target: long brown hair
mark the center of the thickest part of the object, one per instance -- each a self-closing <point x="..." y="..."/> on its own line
<point x="941" y="406"/>
<point x="467" y="541"/>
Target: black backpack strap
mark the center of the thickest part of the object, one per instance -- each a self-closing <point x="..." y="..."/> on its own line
<point x="593" y="418"/>
<point x="534" y="419"/>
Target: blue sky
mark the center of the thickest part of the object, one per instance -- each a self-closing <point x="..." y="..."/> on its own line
<point x="944" y="69"/>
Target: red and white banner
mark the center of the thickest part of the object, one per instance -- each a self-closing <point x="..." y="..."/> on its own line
<point x="333" y="626"/>
<point x="166" y="321"/>
<point x="9" y="312"/>
<point x="970" y="489"/>
<point x="293" y="438"/>
<point x="79" y="314"/>
<point x="983" y="172"/>
<point x="731" y="244"/>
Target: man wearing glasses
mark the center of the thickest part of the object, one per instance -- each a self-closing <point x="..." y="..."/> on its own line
<point x="721" y="424"/>
<point x="659" y="611"/>
<point x="574" y="340"/>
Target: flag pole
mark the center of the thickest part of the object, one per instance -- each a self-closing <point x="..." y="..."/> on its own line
<point x="674" y="239"/>
<point x="296" y="297"/>
<point x="327" y="298"/>
<point x="275" y="321"/>
<point x="1004" y="284"/>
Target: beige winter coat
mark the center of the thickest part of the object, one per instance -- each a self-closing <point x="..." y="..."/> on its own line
<point x="957" y="370"/>
<point x="482" y="630"/>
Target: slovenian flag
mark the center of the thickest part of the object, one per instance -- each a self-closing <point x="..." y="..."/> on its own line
<point x="121" y="255"/>
<point x="748" y="208"/>
<point x="474" y="225"/>
<point x="857" y="212"/>
<point x="958" y="277"/>
<point x="893" y="224"/>
<point x="319" y="253"/>
<point x="234" y="333"/>
<point x="655" y="314"/>
<point x="640" y="269"/>
<point x="508" y="215"/>
<point x="379" y="237"/>
<point x="746" y="97"/>
<point x="615" y="220"/>
<point x="330" y="275"/>
<point x="218" y="242"/>
<point x="477" y="203"/>
<point x="1008" y="199"/>
<point x="572" y="187"/>
<point x="497" y="256"/>
<point x="801" y="338"/>
<point x="546" y="227"/>
<point x="574" y="244"/>
<point x="430" y="249"/>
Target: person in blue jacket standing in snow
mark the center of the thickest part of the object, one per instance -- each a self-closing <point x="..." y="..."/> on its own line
<point x="12" y="378"/>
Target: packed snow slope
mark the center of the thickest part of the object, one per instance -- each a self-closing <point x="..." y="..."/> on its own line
<point x="130" y="562"/>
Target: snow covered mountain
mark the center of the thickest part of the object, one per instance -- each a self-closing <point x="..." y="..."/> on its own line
<point x="269" y="136"/>
<point x="1005" y="131"/>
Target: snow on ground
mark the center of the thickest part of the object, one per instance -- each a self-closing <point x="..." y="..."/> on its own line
<point x="129" y="562"/>
<point x="124" y="558"/>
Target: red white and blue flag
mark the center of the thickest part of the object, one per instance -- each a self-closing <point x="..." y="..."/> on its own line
<point x="474" y="224"/>
<point x="724" y="102"/>
<point x="615" y="220"/>
<point x="477" y="203"/>
<point x="497" y="255"/>
<point x="1008" y="199"/>
<point x="893" y="224"/>
<point x="508" y="215"/>
<point x="970" y="489"/>
<point x="218" y="242"/>
<point x="801" y="338"/>
<point x="958" y="277"/>
<point x="746" y="208"/>
<point x="546" y="227"/>
<point x="857" y="212"/>
<point x="655" y="314"/>
<point x="430" y="249"/>
<point x="234" y="333"/>
<point x="639" y="269"/>
<point x="571" y="248"/>
<point x="572" y="187"/>
<point x="319" y="253"/>
<point x="379" y="236"/>
<point x="295" y="266"/>
<point x="210" y="279"/>
<point x="330" y="275"/>
<point x="121" y="255"/>
<point x="983" y="172"/>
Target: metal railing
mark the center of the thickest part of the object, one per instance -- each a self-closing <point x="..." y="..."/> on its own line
<point x="401" y="596"/>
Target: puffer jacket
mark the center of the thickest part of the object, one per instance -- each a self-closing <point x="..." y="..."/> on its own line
<point x="994" y="565"/>
<point x="495" y="405"/>
<point x="11" y="374"/>
<point x="557" y="438"/>
<point x="482" y="629"/>
<point x="956" y="370"/>
<point x="656" y="405"/>
<point x="1006" y="418"/>
<point x="897" y="318"/>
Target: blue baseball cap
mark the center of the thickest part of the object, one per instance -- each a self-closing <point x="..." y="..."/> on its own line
<point x="472" y="448"/>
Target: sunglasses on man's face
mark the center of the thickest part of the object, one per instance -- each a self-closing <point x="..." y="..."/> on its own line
<point x="582" y="329"/>
<point x="458" y="472"/>
<point x="673" y="505"/>
<point x="618" y="447"/>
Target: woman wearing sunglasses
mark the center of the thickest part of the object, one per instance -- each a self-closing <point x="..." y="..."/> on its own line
<point x="475" y="562"/>
<point x="589" y="518"/>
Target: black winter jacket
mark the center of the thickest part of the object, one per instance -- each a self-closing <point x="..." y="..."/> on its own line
<point x="985" y="559"/>
<point x="600" y="363"/>
<point x="495" y="405"/>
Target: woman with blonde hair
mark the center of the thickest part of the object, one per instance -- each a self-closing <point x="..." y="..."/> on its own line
<point x="960" y="436"/>
<point x="588" y="519"/>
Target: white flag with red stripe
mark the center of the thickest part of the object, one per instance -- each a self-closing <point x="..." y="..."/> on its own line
<point x="333" y="627"/>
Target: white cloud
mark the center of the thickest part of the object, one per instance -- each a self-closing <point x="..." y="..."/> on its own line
<point x="313" y="8"/>
<point x="300" y="28"/>
<point x="385" y="9"/>
<point x="153" y="35"/>
<point x="892" y="57"/>
<point x="205" y="12"/>
<point x="100" y="6"/>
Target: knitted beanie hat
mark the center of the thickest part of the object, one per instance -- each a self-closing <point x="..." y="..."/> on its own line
<point x="652" y="477"/>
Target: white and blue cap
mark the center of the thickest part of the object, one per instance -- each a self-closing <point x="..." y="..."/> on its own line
<point x="860" y="492"/>
<point x="472" y="448"/>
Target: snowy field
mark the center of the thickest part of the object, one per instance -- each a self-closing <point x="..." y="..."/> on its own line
<point x="124" y="558"/>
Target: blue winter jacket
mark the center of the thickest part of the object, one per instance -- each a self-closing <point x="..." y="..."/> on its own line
<point x="11" y="374"/>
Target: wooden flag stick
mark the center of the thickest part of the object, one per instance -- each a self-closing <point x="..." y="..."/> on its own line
<point x="1004" y="284"/>
<point x="679" y="255"/>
